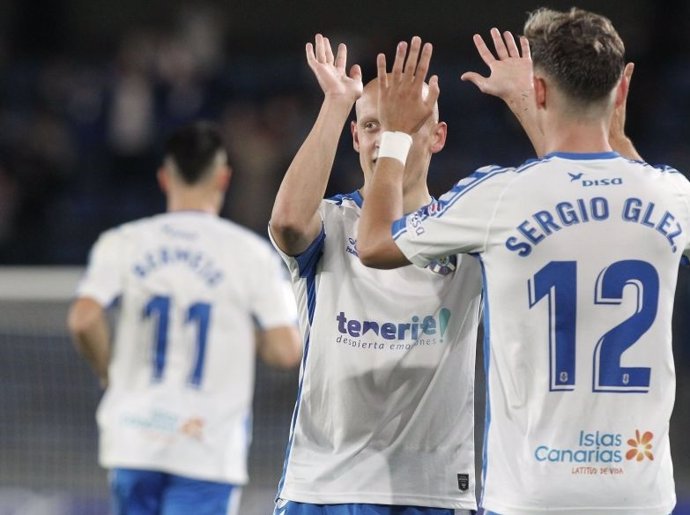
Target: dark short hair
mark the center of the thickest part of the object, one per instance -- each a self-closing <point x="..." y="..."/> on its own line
<point x="580" y="50"/>
<point x="193" y="148"/>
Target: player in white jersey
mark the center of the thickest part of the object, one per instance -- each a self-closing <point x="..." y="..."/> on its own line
<point x="193" y="289"/>
<point x="384" y="417"/>
<point x="580" y="251"/>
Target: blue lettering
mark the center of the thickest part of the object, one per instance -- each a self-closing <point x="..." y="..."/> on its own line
<point x="539" y="451"/>
<point x="583" y="210"/>
<point x="529" y="232"/>
<point x="522" y="248"/>
<point x="566" y="213"/>
<point x="674" y="235"/>
<point x="415" y="330"/>
<point x="388" y="331"/>
<point x="370" y="326"/>
<point x="600" y="208"/>
<point x="341" y="322"/>
<point x="545" y="220"/>
<point x="665" y="223"/>
<point x="646" y="218"/>
<point x="353" y="327"/>
<point x="632" y="209"/>
<point x="429" y="325"/>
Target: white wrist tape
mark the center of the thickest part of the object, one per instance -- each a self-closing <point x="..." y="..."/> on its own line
<point x="396" y="145"/>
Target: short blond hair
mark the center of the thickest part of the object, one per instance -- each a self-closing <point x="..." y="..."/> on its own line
<point x="580" y="50"/>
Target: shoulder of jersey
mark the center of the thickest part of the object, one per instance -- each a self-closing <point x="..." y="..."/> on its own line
<point x="342" y="199"/>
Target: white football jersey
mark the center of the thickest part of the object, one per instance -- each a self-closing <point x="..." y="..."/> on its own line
<point x="580" y="254"/>
<point x="192" y="287"/>
<point x="384" y="413"/>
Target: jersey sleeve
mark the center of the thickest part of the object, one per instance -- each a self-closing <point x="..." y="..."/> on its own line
<point x="103" y="279"/>
<point x="456" y="223"/>
<point x="682" y="187"/>
<point x="274" y="303"/>
<point x="304" y="264"/>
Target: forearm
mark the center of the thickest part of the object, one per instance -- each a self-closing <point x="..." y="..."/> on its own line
<point x="94" y="348"/>
<point x="91" y="336"/>
<point x="280" y="347"/>
<point x="294" y="219"/>
<point x="624" y="146"/>
<point x="383" y="205"/>
<point x="618" y="140"/>
<point x="523" y="107"/>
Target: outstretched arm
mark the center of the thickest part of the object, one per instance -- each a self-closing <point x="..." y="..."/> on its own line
<point x="403" y="106"/>
<point x="295" y="222"/>
<point x="617" y="137"/>
<point x="511" y="80"/>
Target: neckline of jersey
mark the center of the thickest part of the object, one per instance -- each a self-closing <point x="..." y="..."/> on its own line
<point x="583" y="155"/>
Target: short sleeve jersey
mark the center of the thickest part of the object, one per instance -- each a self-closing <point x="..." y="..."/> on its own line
<point x="384" y="413"/>
<point x="580" y="254"/>
<point x="191" y="290"/>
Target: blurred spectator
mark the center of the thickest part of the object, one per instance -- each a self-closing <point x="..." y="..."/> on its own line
<point x="83" y="106"/>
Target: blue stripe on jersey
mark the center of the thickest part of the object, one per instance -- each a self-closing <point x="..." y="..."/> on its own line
<point x="486" y="346"/>
<point x="437" y="207"/>
<point x="293" y="420"/>
<point x="354" y="196"/>
<point x="310" y="278"/>
<point x="462" y="187"/>
<point x="308" y="259"/>
<point x="398" y="227"/>
<point x="465" y="185"/>
<point x="664" y="168"/>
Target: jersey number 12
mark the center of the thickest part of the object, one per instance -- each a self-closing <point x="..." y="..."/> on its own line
<point x="557" y="282"/>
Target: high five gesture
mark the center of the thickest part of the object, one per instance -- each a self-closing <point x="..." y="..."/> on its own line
<point x="330" y="70"/>
<point x="405" y="101"/>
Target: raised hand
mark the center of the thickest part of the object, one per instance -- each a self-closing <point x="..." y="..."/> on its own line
<point x="511" y="72"/>
<point x="405" y="101"/>
<point x="511" y="79"/>
<point x="330" y="70"/>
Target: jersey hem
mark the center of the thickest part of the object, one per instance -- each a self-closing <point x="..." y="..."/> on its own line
<point x="171" y="469"/>
<point x="503" y="509"/>
<point x="361" y="498"/>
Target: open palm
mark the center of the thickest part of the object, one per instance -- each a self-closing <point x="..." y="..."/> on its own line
<point x="511" y="71"/>
<point x="330" y="70"/>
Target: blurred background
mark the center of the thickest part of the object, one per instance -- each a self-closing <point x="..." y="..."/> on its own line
<point x="90" y="88"/>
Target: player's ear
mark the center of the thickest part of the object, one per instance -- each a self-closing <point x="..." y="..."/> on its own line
<point x="355" y="136"/>
<point x="163" y="179"/>
<point x="622" y="91"/>
<point x="439" y="135"/>
<point x="540" y="91"/>
<point x="224" y="176"/>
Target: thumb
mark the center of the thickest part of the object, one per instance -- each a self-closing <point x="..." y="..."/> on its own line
<point x="356" y="72"/>
<point x="474" y="78"/>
